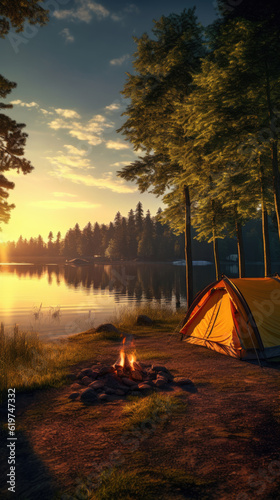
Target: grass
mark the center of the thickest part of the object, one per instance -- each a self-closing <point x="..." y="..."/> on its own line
<point x="126" y="318"/>
<point x="147" y="484"/>
<point x="27" y="363"/>
<point x="146" y="355"/>
<point x="149" y="409"/>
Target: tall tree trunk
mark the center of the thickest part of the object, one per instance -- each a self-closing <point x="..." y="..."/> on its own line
<point x="265" y="234"/>
<point x="240" y="249"/>
<point x="274" y="150"/>
<point x="276" y="182"/>
<point x="188" y="247"/>
<point x="266" y="249"/>
<point x="216" y="257"/>
<point x="215" y="241"/>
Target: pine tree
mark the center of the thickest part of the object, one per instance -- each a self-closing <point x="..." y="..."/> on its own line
<point x="12" y="137"/>
<point x="139" y="219"/>
<point x="164" y="66"/>
<point x="146" y="242"/>
<point x="96" y="239"/>
<point x="86" y="240"/>
<point x="16" y="13"/>
<point x="50" y="243"/>
<point x="131" y="236"/>
<point x="58" y="244"/>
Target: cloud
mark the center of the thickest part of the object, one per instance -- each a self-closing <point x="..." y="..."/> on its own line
<point x="131" y="9"/>
<point x="85" y="11"/>
<point x="120" y="163"/>
<point x="60" y="194"/>
<point x="115" y="106"/>
<point x="67" y="35"/>
<point x="89" y="131"/>
<point x="74" y="151"/>
<point x="70" y="161"/>
<point x="18" y="102"/>
<point x="46" y="112"/>
<point x="63" y="204"/>
<point x="105" y="182"/>
<point x="119" y="61"/>
<point x="117" y="145"/>
<point x="67" y="113"/>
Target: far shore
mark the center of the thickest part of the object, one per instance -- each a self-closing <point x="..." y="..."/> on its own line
<point x="46" y="260"/>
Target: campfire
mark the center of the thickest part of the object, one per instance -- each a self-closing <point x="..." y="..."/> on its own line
<point x="127" y="366"/>
<point x="126" y="376"/>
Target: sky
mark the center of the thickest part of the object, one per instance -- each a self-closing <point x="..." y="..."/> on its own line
<point x="69" y="76"/>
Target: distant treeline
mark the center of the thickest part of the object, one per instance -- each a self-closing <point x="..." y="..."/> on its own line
<point x="135" y="236"/>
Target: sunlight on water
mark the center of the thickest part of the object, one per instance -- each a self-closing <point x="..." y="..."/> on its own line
<point x="61" y="300"/>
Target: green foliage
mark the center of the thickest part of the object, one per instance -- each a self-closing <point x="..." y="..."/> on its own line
<point x="126" y="318"/>
<point x="146" y="484"/>
<point x="149" y="410"/>
<point x="28" y="363"/>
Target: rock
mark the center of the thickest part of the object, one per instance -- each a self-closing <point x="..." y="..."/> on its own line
<point x="84" y="373"/>
<point x="75" y="387"/>
<point x="136" y="375"/>
<point x="74" y="395"/>
<point x="135" y="393"/>
<point x="111" y="381"/>
<point x="159" y="368"/>
<point x="86" y="380"/>
<point x="105" y="370"/>
<point x="97" y="384"/>
<point x="107" y="328"/>
<point x="103" y="397"/>
<point x="123" y="388"/>
<point x="169" y="377"/>
<point x="71" y="376"/>
<point x="144" y="387"/>
<point x="144" y="320"/>
<point x="94" y="374"/>
<point x="151" y="374"/>
<point x="128" y="382"/>
<point x="96" y="367"/>
<point x="119" y="392"/>
<point x="109" y="390"/>
<point x="160" y="382"/>
<point x="89" y="396"/>
<point x="182" y="381"/>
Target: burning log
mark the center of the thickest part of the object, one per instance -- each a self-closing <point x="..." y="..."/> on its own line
<point x="136" y="375"/>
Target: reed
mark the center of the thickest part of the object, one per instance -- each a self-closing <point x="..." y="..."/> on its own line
<point x="126" y="317"/>
<point x="26" y="362"/>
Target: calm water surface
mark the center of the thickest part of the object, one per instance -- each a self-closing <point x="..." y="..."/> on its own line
<point x="57" y="300"/>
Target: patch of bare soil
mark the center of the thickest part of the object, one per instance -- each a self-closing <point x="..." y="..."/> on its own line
<point x="228" y="435"/>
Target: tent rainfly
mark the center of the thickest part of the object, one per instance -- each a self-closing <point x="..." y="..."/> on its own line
<point x="238" y="317"/>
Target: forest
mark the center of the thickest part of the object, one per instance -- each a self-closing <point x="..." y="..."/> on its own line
<point x="138" y="236"/>
<point x="204" y="114"/>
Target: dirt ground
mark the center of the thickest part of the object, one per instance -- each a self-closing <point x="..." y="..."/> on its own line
<point x="228" y="436"/>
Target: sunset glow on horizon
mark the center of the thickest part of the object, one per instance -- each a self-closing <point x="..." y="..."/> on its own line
<point x="69" y="76"/>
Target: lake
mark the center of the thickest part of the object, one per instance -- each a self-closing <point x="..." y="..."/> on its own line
<point x="59" y="300"/>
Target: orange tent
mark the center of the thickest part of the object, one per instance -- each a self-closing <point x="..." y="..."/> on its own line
<point x="238" y="317"/>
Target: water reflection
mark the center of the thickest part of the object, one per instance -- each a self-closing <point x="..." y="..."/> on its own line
<point x="68" y="299"/>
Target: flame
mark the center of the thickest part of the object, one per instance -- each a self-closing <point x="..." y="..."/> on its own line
<point x="132" y="359"/>
<point x="122" y="358"/>
<point x="125" y="359"/>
